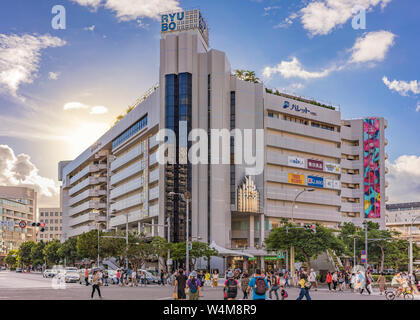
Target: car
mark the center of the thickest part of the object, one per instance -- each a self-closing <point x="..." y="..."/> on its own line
<point x="19" y="270"/>
<point x="71" y="276"/>
<point x="48" y="273"/>
<point x="150" y="278"/>
<point x="73" y="269"/>
<point x="3" y="268"/>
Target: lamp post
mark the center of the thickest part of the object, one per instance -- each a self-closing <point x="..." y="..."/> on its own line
<point x="186" y="197"/>
<point x="126" y="236"/>
<point x="410" y="267"/>
<point x="292" y="248"/>
<point x="354" y="250"/>
<point x="366" y="243"/>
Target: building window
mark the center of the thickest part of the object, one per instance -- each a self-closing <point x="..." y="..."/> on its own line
<point x="138" y="126"/>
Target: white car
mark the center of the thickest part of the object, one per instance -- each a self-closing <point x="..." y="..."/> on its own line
<point x="71" y="276"/>
<point x="49" y="273"/>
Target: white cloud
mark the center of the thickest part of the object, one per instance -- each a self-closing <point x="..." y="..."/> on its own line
<point x="287" y="22"/>
<point x="294" y="69"/>
<point x="373" y="46"/>
<point x="98" y="110"/>
<point x="404" y="179"/>
<point x="91" y="28"/>
<point x="132" y="9"/>
<point x="53" y="75"/>
<point x="322" y="16"/>
<point x="418" y="106"/>
<point x="20" y="58"/>
<point x="270" y="8"/>
<point x="403" y="87"/>
<point x="142" y="25"/>
<point x="19" y="170"/>
<point x="75" y="106"/>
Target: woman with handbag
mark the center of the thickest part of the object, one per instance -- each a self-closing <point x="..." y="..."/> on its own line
<point x="96" y="282"/>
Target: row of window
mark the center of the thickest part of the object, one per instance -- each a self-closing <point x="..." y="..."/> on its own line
<point x="301" y="121"/>
<point x="139" y="125"/>
<point x="51" y="236"/>
<point x="51" y="214"/>
<point x="51" y="221"/>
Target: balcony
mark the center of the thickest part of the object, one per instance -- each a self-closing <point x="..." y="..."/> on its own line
<point x="351" y="150"/>
<point x="153" y="142"/>
<point x="134" y="153"/>
<point x="349" y="134"/>
<point x="351" y="178"/>
<point x="88" y="181"/>
<point x="121" y="219"/>
<point x="301" y="129"/>
<point x="351" y="193"/>
<point x="316" y="197"/>
<point x="126" y="188"/>
<point x="303" y="146"/>
<point x="152" y="159"/>
<point x="154" y="193"/>
<point x="154" y="210"/>
<point x="351" y="207"/>
<point x="281" y="211"/>
<point x="128" y="172"/>
<point x="88" y="217"/>
<point x="79" y="230"/>
<point x="87" y="206"/>
<point x="90" y="193"/>
<point x="79" y="175"/>
<point x="154" y="175"/>
<point x="129" y="202"/>
<point x="351" y="164"/>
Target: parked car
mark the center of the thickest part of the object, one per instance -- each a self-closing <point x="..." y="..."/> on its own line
<point x="71" y="276"/>
<point x="49" y="273"/>
<point x="19" y="270"/>
<point x="149" y="276"/>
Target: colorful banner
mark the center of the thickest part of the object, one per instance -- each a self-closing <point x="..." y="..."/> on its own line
<point x="296" y="178"/>
<point x="296" y="162"/>
<point x="371" y="165"/>
<point x="332" y="167"/>
<point x="315" y="181"/>
<point x="315" y="165"/>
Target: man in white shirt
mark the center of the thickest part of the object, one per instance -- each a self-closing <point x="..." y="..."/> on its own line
<point x="312" y="279"/>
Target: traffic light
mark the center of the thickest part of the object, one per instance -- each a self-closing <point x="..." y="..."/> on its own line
<point x="42" y="225"/>
<point x="311" y="227"/>
<point x="38" y="224"/>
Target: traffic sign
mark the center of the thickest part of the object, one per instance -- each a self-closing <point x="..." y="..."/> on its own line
<point x="363" y="252"/>
<point x="22" y="224"/>
<point x="189" y="246"/>
<point x="363" y="261"/>
<point x="169" y="262"/>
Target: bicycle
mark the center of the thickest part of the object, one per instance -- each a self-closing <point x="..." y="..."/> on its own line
<point x="406" y="292"/>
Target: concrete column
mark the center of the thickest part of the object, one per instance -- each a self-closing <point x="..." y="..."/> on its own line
<point x="153" y="227"/>
<point x="262" y="229"/>
<point x="138" y="227"/>
<point x="251" y="232"/>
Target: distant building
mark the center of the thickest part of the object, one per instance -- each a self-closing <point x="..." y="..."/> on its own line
<point x="53" y="219"/>
<point x="17" y="205"/>
<point x="399" y="217"/>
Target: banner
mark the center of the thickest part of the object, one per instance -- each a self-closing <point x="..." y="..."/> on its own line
<point x="296" y="162"/>
<point x="315" y="165"/>
<point x="315" y="181"/>
<point x="296" y="178"/>
<point x="329" y="184"/>
<point x="332" y="167"/>
<point x="337" y="184"/>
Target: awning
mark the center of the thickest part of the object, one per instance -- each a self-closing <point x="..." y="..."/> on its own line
<point x="229" y="253"/>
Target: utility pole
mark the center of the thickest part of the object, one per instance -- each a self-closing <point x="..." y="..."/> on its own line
<point x="410" y="254"/>
<point x="366" y="243"/>
<point x="354" y="250"/>
<point x="126" y="241"/>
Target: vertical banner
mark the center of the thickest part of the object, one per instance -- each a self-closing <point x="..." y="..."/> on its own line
<point x="371" y="168"/>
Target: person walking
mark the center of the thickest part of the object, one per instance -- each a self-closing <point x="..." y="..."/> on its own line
<point x="259" y="285"/>
<point x="200" y="277"/>
<point x="87" y="276"/>
<point x="382" y="283"/>
<point x="180" y="284"/>
<point x="194" y="286"/>
<point x="335" y="280"/>
<point x="106" y="276"/>
<point x="231" y="286"/>
<point x="244" y="285"/>
<point x="341" y="281"/>
<point x="162" y="278"/>
<point x="275" y="282"/>
<point x="286" y="279"/>
<point x="329" y="281"/>
<point x="207" y="279"/>
<point x="312" y="279"/>
<point x="134" y="278"/>
<point x="304" y="288"/>
<point x="96" y="282"/>
<point x="353" y="282"/>
<point x="365" y="284"/>
<point x="215" y="279"/>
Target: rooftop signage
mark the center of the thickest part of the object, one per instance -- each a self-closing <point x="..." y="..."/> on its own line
<point x="297" y="108"/>
<point x="184" y="20"/>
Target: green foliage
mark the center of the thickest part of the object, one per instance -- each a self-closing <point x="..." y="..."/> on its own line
<point x="198" y="250"/>
<point x="247" y="75"/>
<point x="68" y="251"/>
<point x="11" y="258"/>
<point x="51" y="252"/>
<point x="37" y="254"/>
<point x="308" y="244"/>
<point x="24" y="253"/>
<point x="87" y="245"/>
<point x="139" y="250"/>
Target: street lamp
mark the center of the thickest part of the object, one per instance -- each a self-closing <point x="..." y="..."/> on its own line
<point x="168" y="225"/>
<point x="365" y="222"/>
<point x="186" y="198"/>
<point x="292" y="248"/>
<point x="355" y="236"/>
<point x="410" y="267"/>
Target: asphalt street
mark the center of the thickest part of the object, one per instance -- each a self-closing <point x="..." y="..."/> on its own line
<point x="32" y="286"/>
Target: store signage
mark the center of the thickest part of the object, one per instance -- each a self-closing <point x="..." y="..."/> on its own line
<point x="337" y="184"/>
<point x="332" y="167"/>
<point x="296" y="162"/>
<point x="329" y="184"/>
<point x="315" y="165"/>
<point x="297" y="108"/>
<point x="296" y="178"/>
<point x="315" y="181"/>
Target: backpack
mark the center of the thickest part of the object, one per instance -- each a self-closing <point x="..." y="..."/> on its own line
<point x="285" y="294"/>
<point x="232" y="288"/>
<point x="260" y="286"/>
<point x="193" y="285"/>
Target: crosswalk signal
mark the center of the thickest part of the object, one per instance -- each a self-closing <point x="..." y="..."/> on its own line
<point x="311" y="227"/>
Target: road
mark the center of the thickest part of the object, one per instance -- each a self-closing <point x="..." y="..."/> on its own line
<point x="32" y="286"/>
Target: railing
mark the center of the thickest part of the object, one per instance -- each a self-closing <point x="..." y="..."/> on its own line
<point x="128" y="172"/>
<point x="130" y="155"/>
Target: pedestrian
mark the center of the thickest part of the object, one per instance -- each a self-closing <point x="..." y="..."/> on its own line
<point x="215" y="279"/>
<point x="180" y="284"/>
<point x="335" y="280"/>
<point x="200" y="277"/>
<point x="382" y="283"/>
<point x="304" y="288"/>
<point x="259" y="285"/>
<point x="143" y="279"/>
<point x="231" y="286"/>
<point x="106" y="276"/>
<point x="207" y="278"/>
<point x="96" y="282"/>
<point x="312" y="279"/>
<point x="244" y="285"/>
<point x="134" y="278"/>
<point x="364" y="283"/>
<point x="286" y="279"/>
<point x="329" y="281"/>
<point x="340" y="281"/>
<point x="283" y="293"/>
<point x="275" y="282"/>
<point x="194" y="286"/>
<point x="87" y="276"/>
<point x="353" y="281"/>
<point x="162" y="278"/>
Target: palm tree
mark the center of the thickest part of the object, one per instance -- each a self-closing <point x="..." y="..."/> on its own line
<point x="247" y="75"/>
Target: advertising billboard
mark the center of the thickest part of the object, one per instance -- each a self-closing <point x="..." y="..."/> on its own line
<point x="329" y="184"/>
<point x="315" y="164"/>
<point x="371" y="168"/>
<point x="296" y="178"/>
<point x="296" y="162"/>
<point x="332" y="167"/>
<point x="314" y="181"/>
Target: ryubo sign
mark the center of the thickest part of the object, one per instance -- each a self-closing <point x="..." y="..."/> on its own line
<point x="315" y="181"/>
<point x="171" y="20"/>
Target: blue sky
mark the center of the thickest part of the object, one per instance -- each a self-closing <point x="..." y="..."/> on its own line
<point x="61" y="89"/>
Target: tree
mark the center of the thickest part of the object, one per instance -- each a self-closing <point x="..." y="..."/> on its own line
<point x="307" y="243"/>
<point x="51" y="252"/>
<point x="87" y="245"/>
<point x="11" y="258"/>
<point x="198" y="250"/>
<point x="68" y="251"/>
<point x="139" y="250"/>
<point x="24" y="253"/>
<point x="247" y="75"/>
<point x="37" y="254"/>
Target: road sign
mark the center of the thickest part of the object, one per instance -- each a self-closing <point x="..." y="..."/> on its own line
<point x="189" y="246"/>
<point x="169" y="262"/>
<point x="363" y="252"/>
<point x="363" y="261"/>
<point x="22" y="224"/>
